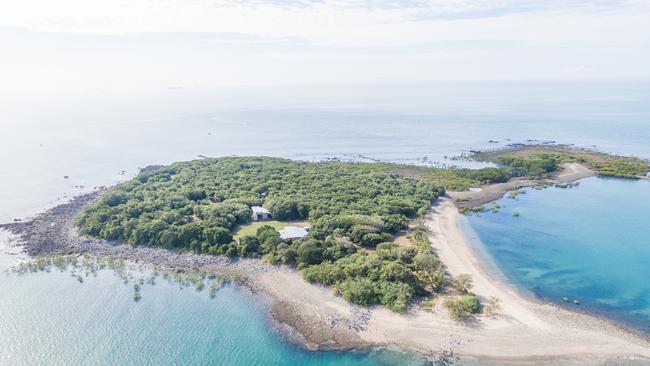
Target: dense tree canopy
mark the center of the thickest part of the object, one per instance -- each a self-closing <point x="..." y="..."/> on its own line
<point x="187" y="205"/>
<point x="354" y="210"/>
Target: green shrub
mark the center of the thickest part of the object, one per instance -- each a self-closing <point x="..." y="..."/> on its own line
<point x="463" y="306"/>
<point x="359" y="291"/>
<point x="394" y="295"/>
<point x="194" y="206"/>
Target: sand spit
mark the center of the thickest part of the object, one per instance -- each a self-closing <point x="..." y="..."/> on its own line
<point x="570" y="172"/>
<point x="522" y="331"/>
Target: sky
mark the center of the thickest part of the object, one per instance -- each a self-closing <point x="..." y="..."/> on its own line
<point x="68" y="45"/>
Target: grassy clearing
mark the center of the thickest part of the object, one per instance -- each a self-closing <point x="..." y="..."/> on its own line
<point x="403" y="240"/>
<point x="251" y="228"/>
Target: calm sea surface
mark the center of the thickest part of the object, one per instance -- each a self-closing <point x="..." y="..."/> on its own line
<point x="52" y="319"/>
<point x="590" y="243"/>
<point x="100" y="138"/>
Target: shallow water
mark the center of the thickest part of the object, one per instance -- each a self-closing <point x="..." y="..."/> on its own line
<point x="100" y="138"/>
<point x="590" y="243"/>
<point x="52" y="319"/>
<point x="94" y="137"/>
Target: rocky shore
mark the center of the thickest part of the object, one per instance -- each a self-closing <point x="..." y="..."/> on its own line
<point x="570" y="172"/>
<point x="53" y="232"/>
<point x="524" y="331"/>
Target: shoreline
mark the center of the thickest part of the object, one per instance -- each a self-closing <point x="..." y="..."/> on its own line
<point x="528" y="322"/>
<point x="488" y="265"/>
<point x="310" y="315"/>
<point x="570" y="173"/>
<point x="526" y="330"/>
<point x="11" y="254"/>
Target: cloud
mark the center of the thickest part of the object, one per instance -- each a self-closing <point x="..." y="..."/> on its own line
<point x="100" y="43"/>
<point x="279" y="16"/>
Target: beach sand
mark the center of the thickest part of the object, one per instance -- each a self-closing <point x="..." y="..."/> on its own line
<point x="523" y="331"/>
<point x="570" y="172"/>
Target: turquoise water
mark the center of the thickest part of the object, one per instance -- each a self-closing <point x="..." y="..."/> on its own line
<point x="590" y="243"/>
<point x="52" y="319"/>
<point x="98" y="138"/>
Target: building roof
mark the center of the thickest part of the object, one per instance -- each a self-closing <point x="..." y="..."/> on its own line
<point x="293" y="232"/>
<point x="259" y="210"/>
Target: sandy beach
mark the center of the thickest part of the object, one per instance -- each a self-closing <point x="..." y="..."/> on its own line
<point x="524" y="330"/>
<point x="570" y="172"/>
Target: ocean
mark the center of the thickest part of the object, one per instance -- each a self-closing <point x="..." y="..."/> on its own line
<point x="54" y="147"/>
<point x="589" y="243"/>
<point x="53" y="319"/>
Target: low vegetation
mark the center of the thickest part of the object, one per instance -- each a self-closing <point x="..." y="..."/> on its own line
<point x="354" y="211"/>
<point x="543" y="159"/>
<point x="198" y="206"/>
<point x="466" y="303"/>
<point x="391" y="275"/>
<point x="463" y="306"/>
<point x="251" y="228"/>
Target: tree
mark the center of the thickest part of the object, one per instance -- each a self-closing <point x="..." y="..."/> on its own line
<point x="463" y="306"/>
<point x="309" y="252"/>
<point x="430" y="271"/>
<point x="396" y="272"/>
<point x="269" y="238"/>
<point x="373" y="239"/>
<point x="286" y="208"/>
<point x="217" y="235"/>
<point x="115" y="199"/>
<point x="435" y="279"/>
<point x="395" y="295"/>
<point x="327" y="273"/>
<point x="427" y="262"/>
<point x="249" y="246"/>
<point x="190" y="233"/>
<point x="196" y="205"/>
<point x="169" y="239"/>
<point x="334" y="249"/>
<point x="285" y="254"/>
<point x="196" y="195"/>
<point x="359" y="291"/>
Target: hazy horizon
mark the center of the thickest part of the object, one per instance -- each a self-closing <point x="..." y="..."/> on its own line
<point x="73" y="45"/>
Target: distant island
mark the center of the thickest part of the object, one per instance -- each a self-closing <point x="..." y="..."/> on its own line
<point x="371" y="233"/>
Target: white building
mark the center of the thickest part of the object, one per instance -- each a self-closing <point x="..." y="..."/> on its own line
<point x="260" y="213"/>
<point x="293" y="232"/>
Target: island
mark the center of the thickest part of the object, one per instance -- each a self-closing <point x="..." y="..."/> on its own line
<point x="349" y="254"/>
